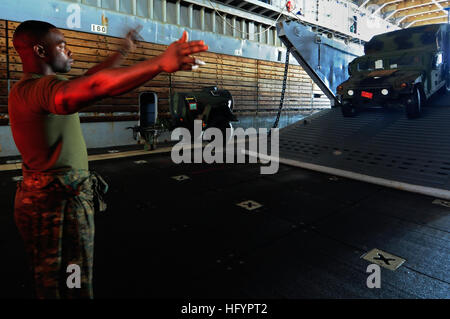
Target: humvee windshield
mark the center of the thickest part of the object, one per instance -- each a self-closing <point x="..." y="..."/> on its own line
<point x="367" y="65"/>
<point x="404" y="61"/>
<point x="392" y="62"/>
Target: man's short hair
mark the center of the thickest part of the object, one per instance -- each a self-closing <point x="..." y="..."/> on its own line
<point x="30" y="33"/>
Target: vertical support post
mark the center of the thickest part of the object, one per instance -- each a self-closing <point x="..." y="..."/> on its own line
<point x="191" y="16"/>
<point x="178" y="12"/>
<point x="150" y="9"/>
<point x="164" y="10"/>
<point x="260" y="35"/>
<point x="117" y="5"/>
<point x="224" y="24"/>
<point x="202" y="18"/>
<point x="275" y="36"/>
<point x="251" y="30"/>
<point x="213" y="15"/>
<point x="317" y="10"/>
<point x="233" y="22"/>
<point x="134" y="7"/>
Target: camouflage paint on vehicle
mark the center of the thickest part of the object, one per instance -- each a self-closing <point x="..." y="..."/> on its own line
<point x="396" y="66"/>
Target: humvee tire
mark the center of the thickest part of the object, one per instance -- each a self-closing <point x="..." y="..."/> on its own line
<point x="447" y="83"/>
<point x="348" y="110"/>
<point x="446" y="88"/>
<point x="414" y="109"/>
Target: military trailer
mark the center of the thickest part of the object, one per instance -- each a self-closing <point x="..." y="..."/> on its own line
<point x="404" y="67"/>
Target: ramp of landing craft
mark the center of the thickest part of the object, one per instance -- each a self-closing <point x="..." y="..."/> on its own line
<point x="325" y="60"/>
<point x="377" y="146"/>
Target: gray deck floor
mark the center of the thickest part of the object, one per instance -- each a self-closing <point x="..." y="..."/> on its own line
<point x="166" y="239"/>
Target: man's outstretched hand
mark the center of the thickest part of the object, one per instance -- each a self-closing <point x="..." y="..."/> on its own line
<point x="131" y="38"/>
<point x="177" y="55"/>
<point x="113" y="61"/>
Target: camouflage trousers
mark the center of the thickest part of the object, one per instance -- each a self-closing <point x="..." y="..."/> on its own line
<point x="54" y="213"/>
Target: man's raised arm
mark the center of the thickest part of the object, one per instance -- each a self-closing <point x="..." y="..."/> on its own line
<point x="83" y="91"/>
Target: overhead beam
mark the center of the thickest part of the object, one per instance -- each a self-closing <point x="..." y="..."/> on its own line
<point x="407" y="4"/>
<point x="436" y="20"/>
<point x="384" y="5"/>
<point x="417" y="22"/>
<point x="364" y="3"/>
<point x="415" y="10"/>
<point x="436" y="13"/>
<point x="417" y="16"/>
<point x="440" y="7"/>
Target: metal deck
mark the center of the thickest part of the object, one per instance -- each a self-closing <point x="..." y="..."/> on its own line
<point x="377" y="146"/>
<point x="162" y="238"/>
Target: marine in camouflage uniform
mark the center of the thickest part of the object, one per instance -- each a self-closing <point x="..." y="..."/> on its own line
<point x="54" y="206"/>
<point x="56" y="200"/>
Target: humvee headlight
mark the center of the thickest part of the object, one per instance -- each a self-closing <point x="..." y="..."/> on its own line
<point x="340" y="88"/>
<point x="403" y="85"/>
<point x="350" y="92"/>
<point x="385" y="91"/>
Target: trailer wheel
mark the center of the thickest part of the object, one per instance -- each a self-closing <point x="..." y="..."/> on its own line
<point x="348" y="110"/>
<point x="414" y="109"/>
<point x="424" y="100"/>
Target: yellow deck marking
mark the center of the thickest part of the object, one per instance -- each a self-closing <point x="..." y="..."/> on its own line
<point x="97" y="157"/>
<point x="100" y="157"/>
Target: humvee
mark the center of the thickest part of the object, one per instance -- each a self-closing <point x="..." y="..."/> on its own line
<point x="404" y="67"/>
